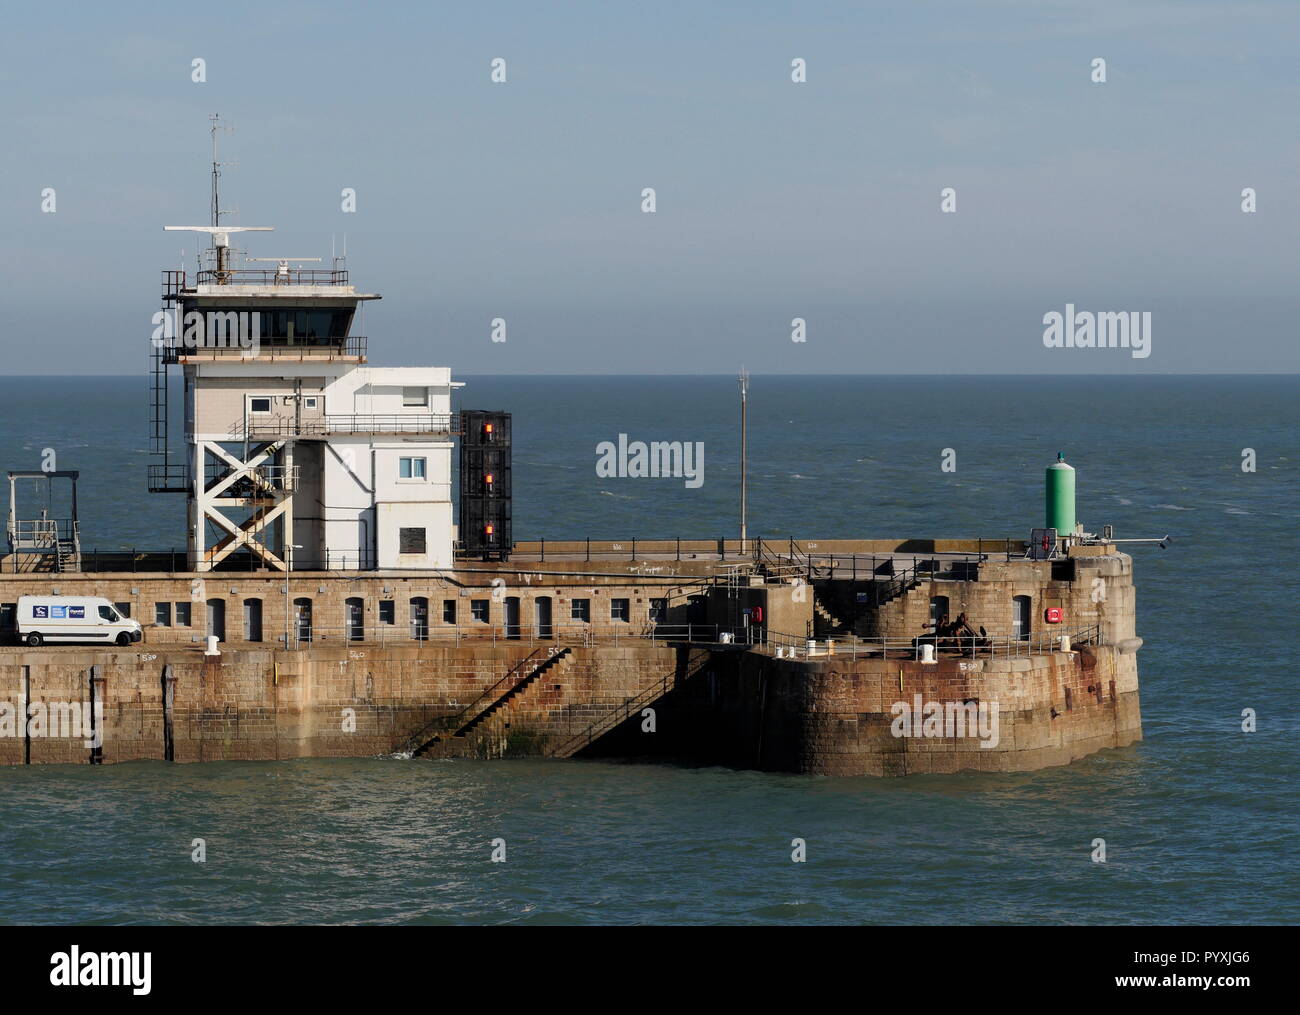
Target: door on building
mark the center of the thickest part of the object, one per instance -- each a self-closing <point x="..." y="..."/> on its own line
<point x="217" y="618"/>
<point x="354" y="612"/>
<point x="420" y="618"/>
<point x="252" y="620"/>
<point x="1021" y="618"/>
<point x="512" y="616"/>
<point x="938" y="610"/>
<point x="302" y="618"/>
<point x="543" y="610"/>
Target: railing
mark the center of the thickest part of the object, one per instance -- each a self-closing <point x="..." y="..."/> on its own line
<point x="392" y="423"/>
<point x="621" y="713"/>
<point x="263" y="477"/>
<point x="453" y="724"/>
<point x="176" y="561"/>
<point x="40" y="533"/>
<point x="169" y="477"/>
<point x="271" y="276"/>
<point x="351" y="347"/>
<point x="533" y="635"/>
<point x="910" y="648"/>
<point x="634" y="549"/>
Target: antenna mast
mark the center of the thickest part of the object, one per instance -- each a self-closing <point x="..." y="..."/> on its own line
<point x="217" y="126"/>
<point x="744" y="400"/>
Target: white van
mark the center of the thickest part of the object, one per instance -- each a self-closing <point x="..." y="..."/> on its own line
<point x="57" y="619"/>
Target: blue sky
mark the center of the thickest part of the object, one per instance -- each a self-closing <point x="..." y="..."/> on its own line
<point x="775" y="200"/>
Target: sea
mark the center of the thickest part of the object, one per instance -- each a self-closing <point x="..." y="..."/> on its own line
<point x="1199" y="820"/>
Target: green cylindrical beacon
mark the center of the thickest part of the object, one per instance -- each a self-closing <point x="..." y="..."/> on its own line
<point x="1060" y="496"/>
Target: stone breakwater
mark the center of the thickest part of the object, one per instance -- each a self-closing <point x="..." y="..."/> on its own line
<point x="740" y="708"/>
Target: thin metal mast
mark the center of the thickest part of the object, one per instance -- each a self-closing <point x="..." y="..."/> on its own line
<point x="744" y="401"/>
<point x="217" y="125"/>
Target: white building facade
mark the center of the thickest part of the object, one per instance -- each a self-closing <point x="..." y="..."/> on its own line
<point x="296" y="454"/>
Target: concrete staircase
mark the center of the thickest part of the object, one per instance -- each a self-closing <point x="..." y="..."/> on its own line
<point x="581" y="699"/>
<point x="825" y="623"/>
<point x="603" y="719"/>
<point x="517" y="679"/>
<point x="559" y="659"/>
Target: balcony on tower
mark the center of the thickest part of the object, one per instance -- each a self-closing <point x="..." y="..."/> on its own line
<point x="297" y="315"/>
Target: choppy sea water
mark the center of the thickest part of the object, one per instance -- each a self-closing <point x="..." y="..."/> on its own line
<point x="1200" y="819"/>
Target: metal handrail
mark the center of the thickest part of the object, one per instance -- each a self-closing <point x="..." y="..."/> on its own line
<point x="271" y="276"/>
<point x="356" y="423"/>
<point x="40" y="532"/>
<point x="853" y="646"/>
<point x="348" y="347"/>
<point x="450" y="723"/>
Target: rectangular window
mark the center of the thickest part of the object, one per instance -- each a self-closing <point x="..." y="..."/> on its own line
<point x="580" y="609"/>
<point x="182" y="614"/>
<point x="162" y="614"/>
<point x="387" y="611"/>
<point x="311" y="402"/>
<point x="620" y="609"/>
<point x="415" y="397"/>
<point x="449" y="611"/>
<point x="658" y="610"/>
<point x="259" y="405"/>
<point x="123" y="609"/>
<point x="410" y="540"/>
<point x="478" y="608"/>
<point x="410" y="468"/>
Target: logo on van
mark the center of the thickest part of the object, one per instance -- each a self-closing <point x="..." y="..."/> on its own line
<point x="59" y="612"/>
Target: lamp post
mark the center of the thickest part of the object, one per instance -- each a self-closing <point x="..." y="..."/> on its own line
<point x="288" y="566"/>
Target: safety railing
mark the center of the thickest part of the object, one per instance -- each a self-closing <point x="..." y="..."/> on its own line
<point x="423" y="423"/>
<point x="273" y="276"/>
<point x="253" y="478"/>
<point x="1038" y="643"/>
<point x="350" y="347"/>
<point x="40" y="533"/>
<point x="533" y="635"/>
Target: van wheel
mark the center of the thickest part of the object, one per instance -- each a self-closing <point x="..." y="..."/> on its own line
<point x="34" y="639"/>
<point x="124" y="639"/>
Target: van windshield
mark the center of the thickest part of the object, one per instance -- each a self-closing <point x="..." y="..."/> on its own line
<point x="108" y="614"/>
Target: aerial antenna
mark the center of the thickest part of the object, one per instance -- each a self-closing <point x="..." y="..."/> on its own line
<point x="221" y="240"/>
<point x="216" y="127"/>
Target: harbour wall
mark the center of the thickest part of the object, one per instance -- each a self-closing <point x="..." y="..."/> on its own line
<point x="737" y="707"/>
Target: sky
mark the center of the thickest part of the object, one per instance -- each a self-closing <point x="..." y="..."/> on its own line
<point x="774" y="200"/>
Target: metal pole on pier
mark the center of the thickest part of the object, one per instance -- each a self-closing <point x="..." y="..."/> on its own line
<point x="744" y="400"/>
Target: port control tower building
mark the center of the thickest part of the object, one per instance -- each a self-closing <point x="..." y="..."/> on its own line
<point x="295" y="454"/>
